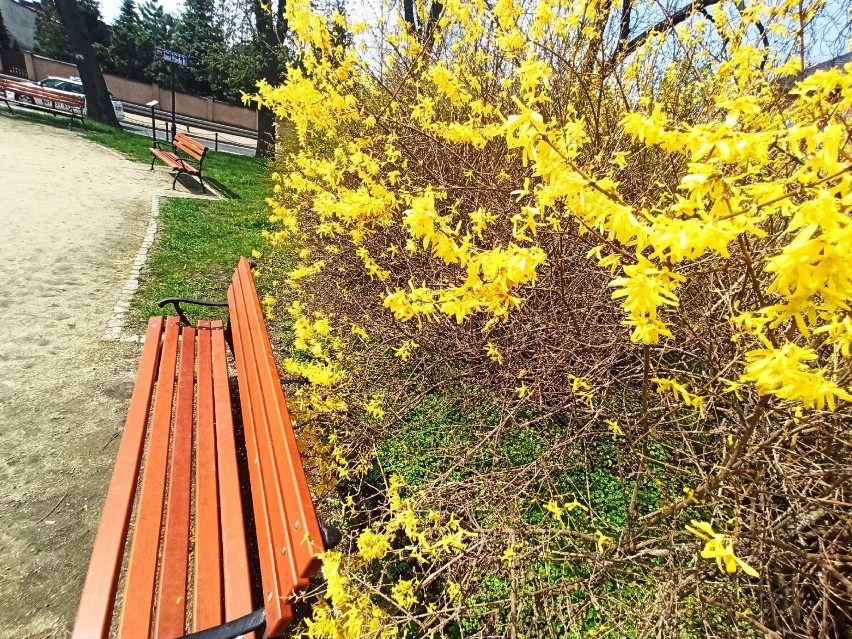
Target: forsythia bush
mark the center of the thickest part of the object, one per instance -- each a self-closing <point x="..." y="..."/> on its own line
<point x="592" y="262"/>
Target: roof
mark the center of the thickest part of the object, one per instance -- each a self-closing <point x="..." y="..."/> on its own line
<point x="834" y="63"/>
<point x="32" y="5"/>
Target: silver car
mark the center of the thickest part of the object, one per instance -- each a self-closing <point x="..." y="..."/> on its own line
<point x="71" y="85"/>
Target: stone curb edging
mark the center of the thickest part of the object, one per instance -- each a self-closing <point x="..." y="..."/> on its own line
<point x="115" y="326"/>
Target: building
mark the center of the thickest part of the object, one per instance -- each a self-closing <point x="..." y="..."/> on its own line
<point x="20" y="21"/>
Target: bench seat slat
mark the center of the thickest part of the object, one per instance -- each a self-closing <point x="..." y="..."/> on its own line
<point x="235" y="564"/>
<point x="96" y="603"/>
<point x="278" y="611"/>
<point x="207" y="591"/>
<point x="174" y="161"/>
<point x="272" y="462"/>
<point x="171" y="597"/>
<point x="187" y="414"/>
<point x="141" y="572"/>
<point x="300" y="512"/>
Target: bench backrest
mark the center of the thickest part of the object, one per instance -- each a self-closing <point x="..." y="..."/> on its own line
<point x="288" y="532"/>
<point x="22" y="88"/>
<point x="189" y="146"/>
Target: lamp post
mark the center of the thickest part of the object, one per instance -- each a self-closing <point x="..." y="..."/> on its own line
<point x="151" y="106"/>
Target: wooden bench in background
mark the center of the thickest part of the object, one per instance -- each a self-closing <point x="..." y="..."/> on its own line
<point x="199" y="538"/>
<point x="25" y="95"/>
<point x="195" y="150"/>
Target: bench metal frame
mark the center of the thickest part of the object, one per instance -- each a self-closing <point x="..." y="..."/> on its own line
<point x="178" y="164"/>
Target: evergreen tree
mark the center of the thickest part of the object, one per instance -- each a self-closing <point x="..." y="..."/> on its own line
<point x="200" y="36"/>
<point x="52" y="38"/>
<point x="239" y="67"/>
<point x="159" y="29"/>
<point x="4" y="36"/>
<point x="99" y="30"/>
<point x="158" y="25"/>
<point x="131" y="50"/>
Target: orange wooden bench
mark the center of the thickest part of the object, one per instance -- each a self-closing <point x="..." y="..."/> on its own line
<point x="195" y="150"/>
<point x="198" y="528"/>
<point x="25" y="95"/>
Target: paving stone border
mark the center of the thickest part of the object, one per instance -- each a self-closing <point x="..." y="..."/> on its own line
<point x="115" y="326"/>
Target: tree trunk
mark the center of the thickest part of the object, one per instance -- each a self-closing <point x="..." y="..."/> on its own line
<point x="270" y="71"/>
<point x="409" y="13"/>
<point x="98" y="104"/>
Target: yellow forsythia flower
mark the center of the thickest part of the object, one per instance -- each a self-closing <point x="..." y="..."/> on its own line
<point x="720" y="547"/>
<point x="403" y="593"/>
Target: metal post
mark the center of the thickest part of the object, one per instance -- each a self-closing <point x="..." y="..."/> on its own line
<point x="216" y="147"/>
<point x="174" y="128"/>
<point x="152" y="104"/>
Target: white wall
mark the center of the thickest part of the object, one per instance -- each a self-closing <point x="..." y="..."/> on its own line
<point x="20" y="23"/>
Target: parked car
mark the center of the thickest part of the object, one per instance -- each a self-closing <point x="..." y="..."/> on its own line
<point x="70" y="85"/>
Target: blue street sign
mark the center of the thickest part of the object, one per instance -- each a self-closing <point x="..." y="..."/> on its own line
<point x="171" y="56"/>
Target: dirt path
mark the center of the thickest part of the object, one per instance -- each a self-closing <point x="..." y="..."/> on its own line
<point x="72" y="216"/>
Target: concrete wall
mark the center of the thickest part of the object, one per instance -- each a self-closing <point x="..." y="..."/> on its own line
<point x="39" y="67"/>
<point x="20" y="23"/>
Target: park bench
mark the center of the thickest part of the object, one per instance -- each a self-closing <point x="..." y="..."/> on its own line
<point x="211" y="552"/>
<point x="25" y="95"/>
<point x="195" y="150"/>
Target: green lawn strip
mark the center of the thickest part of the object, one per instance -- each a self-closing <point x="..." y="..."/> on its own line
<point x="200" y="241"/>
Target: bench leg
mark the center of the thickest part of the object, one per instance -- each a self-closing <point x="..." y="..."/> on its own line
<point x="175" y="180"/>
<point x="203" y="190"/>
<point x="153" y="159"/>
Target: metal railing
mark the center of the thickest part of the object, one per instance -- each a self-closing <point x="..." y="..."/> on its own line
<point x="205" y="125"/>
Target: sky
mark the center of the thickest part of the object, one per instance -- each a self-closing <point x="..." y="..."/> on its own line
<point x="366" y="10"/>
<point x="110" y="8"/>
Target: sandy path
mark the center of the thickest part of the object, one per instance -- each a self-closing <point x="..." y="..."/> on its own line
<point x="72" y="216"/>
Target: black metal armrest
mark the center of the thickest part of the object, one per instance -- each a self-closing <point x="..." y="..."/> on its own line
<point x="233" y="629"/>
<point x="177" y="301"/>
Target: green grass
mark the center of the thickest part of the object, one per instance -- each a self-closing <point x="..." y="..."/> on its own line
<point x="130" y="144"/>
<point x="200" y="241"/>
